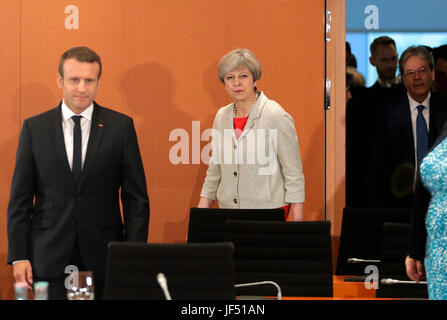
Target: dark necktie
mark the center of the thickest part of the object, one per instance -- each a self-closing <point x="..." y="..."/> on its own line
<point x="422" y="135"/>
<point x="77" y="147"/>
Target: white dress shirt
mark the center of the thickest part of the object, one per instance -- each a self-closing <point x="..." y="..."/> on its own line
<point x="68" y="126"/>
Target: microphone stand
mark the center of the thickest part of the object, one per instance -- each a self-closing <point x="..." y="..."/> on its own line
<point x="279" y="293"/>
<point x="389" y="281"/>
<point x="164" y="285"/>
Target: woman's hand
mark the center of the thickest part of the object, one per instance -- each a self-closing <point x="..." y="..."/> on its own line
<point x="297" y="211"/>
<point x="205" y="203"/>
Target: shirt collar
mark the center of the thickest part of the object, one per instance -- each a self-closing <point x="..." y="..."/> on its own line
<point x="67" y="113"/>
<point x="388" y="84"/>
<point x="414" y="104"/>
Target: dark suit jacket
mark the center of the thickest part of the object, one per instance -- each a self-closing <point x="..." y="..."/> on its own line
<point x="361" y="114"/>
<point x="47" y="210"/>
<point x="390" y="176"/>
<point x="422" y="197"/>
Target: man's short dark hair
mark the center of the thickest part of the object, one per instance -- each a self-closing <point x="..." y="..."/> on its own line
<point x="381" y="41"/>
<point x="440" y="52"/>
<point x="82" y="54"/>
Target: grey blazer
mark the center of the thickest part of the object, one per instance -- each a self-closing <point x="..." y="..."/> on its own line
<point x="261" y="169"/>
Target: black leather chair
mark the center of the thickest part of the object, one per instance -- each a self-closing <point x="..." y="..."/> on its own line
<point x="208" y="225"/>
<point x="392" y="266"/>
<point x="295" y="255"/>
<point x="193" y="271"/>
<point x="361" y="236"/>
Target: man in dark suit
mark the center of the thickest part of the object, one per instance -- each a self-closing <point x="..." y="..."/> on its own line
<point x="399" y="132"/>
<point x="414" y="261"/>
<point x="73" y="164"/>
<point x="361" y="114"/>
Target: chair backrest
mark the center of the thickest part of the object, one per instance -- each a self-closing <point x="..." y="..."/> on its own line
<point x="193" y="271"/>
<point x="393" y="253"/>
<point x="361" y="236"/>
<point x="295" y="255"/>
<point x="208" y="224"/>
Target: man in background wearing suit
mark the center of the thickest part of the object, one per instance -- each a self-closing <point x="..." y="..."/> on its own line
<point x="361" y="114"/>
<point x="384" y="58"/>
<point x="73" y="165"/>
<point x="406" y="126"/>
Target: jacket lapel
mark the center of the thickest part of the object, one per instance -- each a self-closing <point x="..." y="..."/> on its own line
<point x="59" y="142"/>
<point x="402" y="121"/>
<point x="254" y="114"/>
<point x="96" y="132"/>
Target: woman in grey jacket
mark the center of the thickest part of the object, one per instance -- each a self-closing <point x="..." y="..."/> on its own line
<point x="255" y="160"/>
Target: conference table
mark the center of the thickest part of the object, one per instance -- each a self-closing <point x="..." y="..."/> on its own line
<point x="342" y="290"/>
<point x="346" y="290"/>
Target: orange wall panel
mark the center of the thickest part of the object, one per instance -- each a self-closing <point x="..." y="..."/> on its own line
<point x="10" y="115"/>
<point x="160" y="67"/>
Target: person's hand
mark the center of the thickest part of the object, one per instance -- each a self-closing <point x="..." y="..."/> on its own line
<point x="296" y="209"/>
<point x="205" y="203"/>
<point x="415" y="269"/>
<point x="23" y="272"/>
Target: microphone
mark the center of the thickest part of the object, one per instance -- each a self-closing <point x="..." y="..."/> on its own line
<point x="389" y="281"/>
<point x="164" y="285"/>
<point x="356" y="260"/>
<point x="279" y="293"/>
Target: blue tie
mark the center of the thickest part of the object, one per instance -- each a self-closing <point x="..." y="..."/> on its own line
<point x="422" y="135"/>
<point x="77" y="147"/>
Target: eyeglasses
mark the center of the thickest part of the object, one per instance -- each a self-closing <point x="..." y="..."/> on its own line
<point x="411" y="73"/>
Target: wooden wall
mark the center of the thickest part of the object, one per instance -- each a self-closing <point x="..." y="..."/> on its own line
<point x="336" y="122"/>
<point x="159" y="66"/>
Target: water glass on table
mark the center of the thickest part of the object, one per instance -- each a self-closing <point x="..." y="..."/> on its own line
<point x="82" y="286"/>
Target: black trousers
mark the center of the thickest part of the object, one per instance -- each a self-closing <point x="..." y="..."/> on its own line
<point x="56" y="286"/>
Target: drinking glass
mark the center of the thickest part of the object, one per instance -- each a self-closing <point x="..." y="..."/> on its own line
<point x="81" y="287"/>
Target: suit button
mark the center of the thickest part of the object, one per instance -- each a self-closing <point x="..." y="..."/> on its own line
<point x="235" y="174"/>
<point x="235" y="146"/>
<point x="235" y="200"/>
